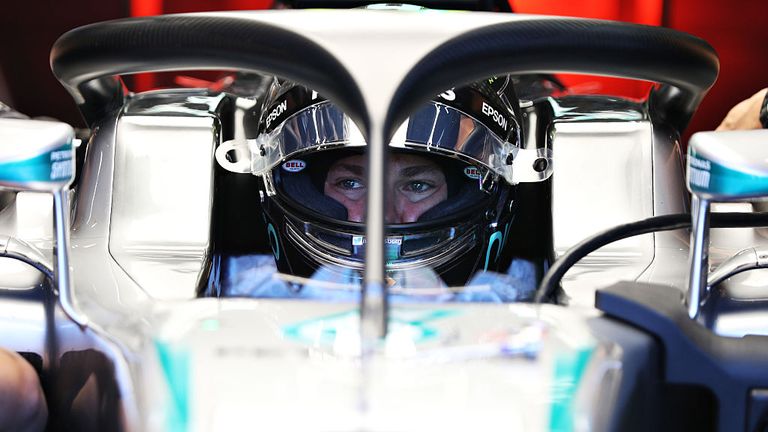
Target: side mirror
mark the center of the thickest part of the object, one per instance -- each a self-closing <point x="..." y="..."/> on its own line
<point x="728" y="166"/>
<point x="38" y="155"/>
<point x="722" y="166"/>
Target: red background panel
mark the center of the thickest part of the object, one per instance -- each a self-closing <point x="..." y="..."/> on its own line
<point x="157" y="7"/>
<point x="638" y="11"/>
<point x="28" y="29"/>
<point x="143" y="82"/>
<point x="735" y="30"/>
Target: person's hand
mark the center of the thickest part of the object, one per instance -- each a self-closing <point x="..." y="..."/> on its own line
<point x="22" y="403"/>
<point x="745" y="115"/>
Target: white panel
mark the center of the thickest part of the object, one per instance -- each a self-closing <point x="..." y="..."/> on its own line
<point x="34" y="220"/>
<point x="161" y="205"/>
<point x="603" y="177"/>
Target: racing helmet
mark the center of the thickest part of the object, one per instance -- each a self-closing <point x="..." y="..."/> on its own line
<point x="459" y="147"/>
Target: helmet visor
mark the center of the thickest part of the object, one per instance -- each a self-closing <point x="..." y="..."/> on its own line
<point x="435" y="127"/>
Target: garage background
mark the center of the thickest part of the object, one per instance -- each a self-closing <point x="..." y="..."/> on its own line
<point x="735" y="29"/>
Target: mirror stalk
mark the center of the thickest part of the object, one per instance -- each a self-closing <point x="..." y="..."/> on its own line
<point x="61" y="271"/>
<point x="699" y="255"/>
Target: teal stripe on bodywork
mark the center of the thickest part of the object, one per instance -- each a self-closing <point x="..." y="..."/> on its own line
<point x="429" y="315"/>
<point x="38" y="168"/>
<point x="495" y="237"/>
<point x="569" y="369"/>
<point x="175" y="364"/>
<point x="329" y="325"/>
<point x="708" y="177"/>
<point x="273" y="241"/>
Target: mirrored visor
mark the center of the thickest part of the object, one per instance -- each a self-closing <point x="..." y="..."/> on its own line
<point x="435" y="126"/>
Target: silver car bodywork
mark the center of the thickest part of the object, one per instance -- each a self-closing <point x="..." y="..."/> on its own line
<point x="163" y="359"/>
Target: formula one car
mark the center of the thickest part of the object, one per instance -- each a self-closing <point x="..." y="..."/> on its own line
<point x="234" y="262"/>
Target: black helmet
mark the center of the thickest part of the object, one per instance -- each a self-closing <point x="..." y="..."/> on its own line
<point x="459" y="148"/>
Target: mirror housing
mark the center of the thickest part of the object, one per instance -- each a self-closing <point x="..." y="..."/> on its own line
<point x="721" y="166"/>
<point x="36" y="155"/>
<point x="728" y="166"/>
<point x="39" y="156"/>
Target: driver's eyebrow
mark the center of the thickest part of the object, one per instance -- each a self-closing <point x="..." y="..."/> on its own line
<point x="352" y="169"/>
<point x="417" y="170"/>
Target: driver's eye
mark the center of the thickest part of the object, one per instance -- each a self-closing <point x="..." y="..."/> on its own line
<point x="418" y="187"/>
<point x="350" y="184"/>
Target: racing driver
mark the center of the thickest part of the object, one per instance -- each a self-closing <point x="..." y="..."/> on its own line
<point x="449" y="192"/>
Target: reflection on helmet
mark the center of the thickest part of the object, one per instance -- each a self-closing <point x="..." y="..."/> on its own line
<point x="450" y="201"/>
